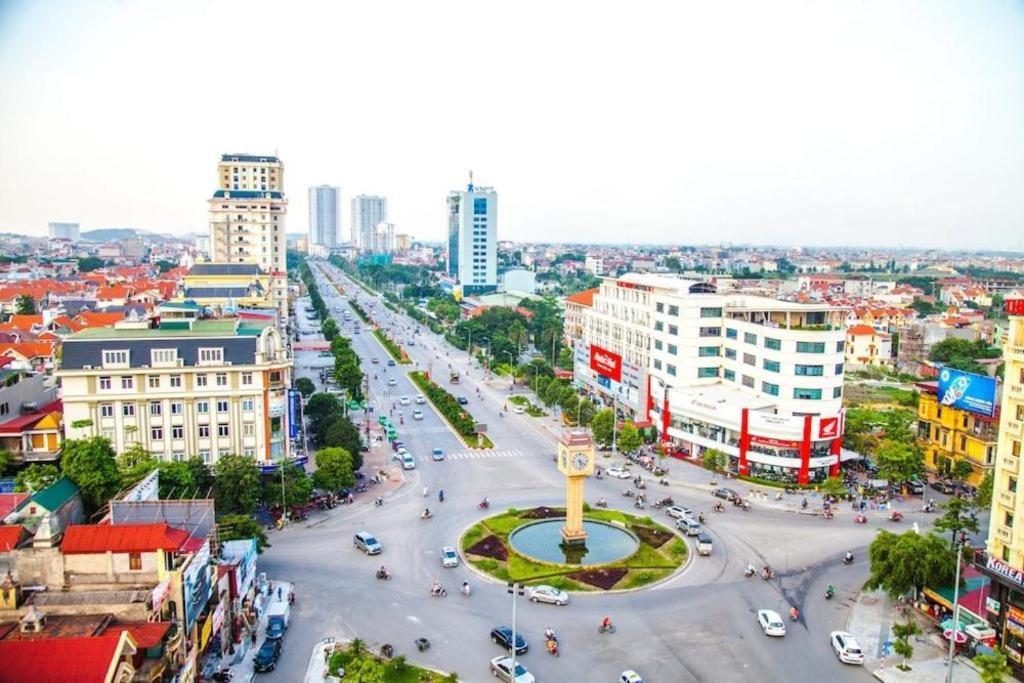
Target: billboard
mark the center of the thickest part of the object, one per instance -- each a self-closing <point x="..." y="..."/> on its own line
<point x="606" y="363"/>
<point x="293" y="413"/>
<point x="967" y="391"/>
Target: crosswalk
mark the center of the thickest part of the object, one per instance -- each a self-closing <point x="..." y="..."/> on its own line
<point x="479" y="455"/>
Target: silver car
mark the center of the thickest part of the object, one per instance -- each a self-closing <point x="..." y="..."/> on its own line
<point x="548" y="594"/>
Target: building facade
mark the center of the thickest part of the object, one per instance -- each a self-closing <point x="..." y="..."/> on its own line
<point x="473" y="238"/>
<point x="367" y="212"/>
<point x="65" y="231"/>
<point x="324" y="215"/>
<point x="867" y="346"/>
<point x="949" y="435"/>
<point x="190" y="388"/>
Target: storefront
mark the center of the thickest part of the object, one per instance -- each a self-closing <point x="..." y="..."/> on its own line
<point x="1004" y="606"/>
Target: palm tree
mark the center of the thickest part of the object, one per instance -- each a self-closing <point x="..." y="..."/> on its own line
<point x="550" y="335"/>
<point x="517" y="335"/>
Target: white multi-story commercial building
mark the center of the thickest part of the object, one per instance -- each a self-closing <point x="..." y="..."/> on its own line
<point x="368" y="211"/>
<point x="756" y="378"/>
<point x="65" y="231"/>
<point x="324" y="216"/>
<point x="473" y="238"/>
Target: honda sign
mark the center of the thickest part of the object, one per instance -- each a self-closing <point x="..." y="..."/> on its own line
<point x="606" y="363"/>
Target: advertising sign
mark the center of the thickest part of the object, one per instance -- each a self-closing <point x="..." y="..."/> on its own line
<point x="606" y="363"/>
<point x="828" y="428"/>
<point x="1005" y="570"/>
<point x="293" y="413"/>
<point x="197" y="585"/>
<point x="967" y="391"/>
<point x="160" y="594"/>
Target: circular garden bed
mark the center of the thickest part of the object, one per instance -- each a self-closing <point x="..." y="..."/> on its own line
<point x="661" y="552"/>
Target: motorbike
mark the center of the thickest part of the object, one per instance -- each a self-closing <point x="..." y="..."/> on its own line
<point x="848" y="559"/>
<point x="829" y="594"/>
<point x="483" y="505"/>
<point x="378" y="502"/>
<point x="749" y="572"/>
<point x="767" y="574"/>
<point x="638" y="505"/>
<point x="383" y="576"/>
<point x="438" y="592"/>
<point x="466" y="590"/>
<point x="794" y="614"/>
<point x="860" y="519"/>
<point x="657" y="505"/>
<point x="426" y="514"/>
<point x="628" y="493"/>
<point x="552" y="646"/>
<point x="601" y="503"/>
<point x="896" y="517"/>
<point x="719" y="507"/>
<point x="663" y="482"/>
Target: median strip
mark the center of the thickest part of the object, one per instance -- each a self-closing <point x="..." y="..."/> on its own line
<point x="457" y="417"/>
<point x="396" y="351"/>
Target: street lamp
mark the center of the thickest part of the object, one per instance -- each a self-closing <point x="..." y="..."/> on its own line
<point x="487" y="362"/>
<point x="956" y="620"/>
<point x="515" y="590"/>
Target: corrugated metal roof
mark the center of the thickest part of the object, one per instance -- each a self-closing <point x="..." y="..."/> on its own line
<point x="122" y="538"/>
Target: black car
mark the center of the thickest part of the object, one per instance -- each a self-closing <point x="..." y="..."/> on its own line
<point x="727" y="494"/>
<point x="266" y="658"/>
<point x="502" y="635"/>
<point x="942" y="486"/>
<point x="462" y="400"/>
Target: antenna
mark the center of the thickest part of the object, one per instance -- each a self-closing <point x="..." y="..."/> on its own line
<point x="470" y="186"/>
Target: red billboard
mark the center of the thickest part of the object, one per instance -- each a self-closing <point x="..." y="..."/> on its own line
<point x="1014" y="306"/>
<point x="606" y="363"/>
<point x="828" y="428"/>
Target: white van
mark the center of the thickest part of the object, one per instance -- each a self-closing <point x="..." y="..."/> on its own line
<point x="703" y="544"/>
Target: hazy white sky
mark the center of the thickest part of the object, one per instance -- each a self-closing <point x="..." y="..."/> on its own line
<point x="836" y="122"/>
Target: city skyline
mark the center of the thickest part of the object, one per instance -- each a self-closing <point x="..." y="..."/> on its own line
<point x="816" y="126"/>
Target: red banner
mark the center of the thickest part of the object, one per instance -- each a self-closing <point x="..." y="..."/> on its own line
<point x="606" y="363"/>
<point x="1014" y="306"/>
<point x="778" y="443"/>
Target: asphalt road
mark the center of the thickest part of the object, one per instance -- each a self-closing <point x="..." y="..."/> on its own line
<point x="698" y="626"/>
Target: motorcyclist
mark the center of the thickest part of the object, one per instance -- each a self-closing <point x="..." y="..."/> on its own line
<point x="766" y="572"/>
<point x="383" y="572"/>
<point x="485" y="503"/>
<point x="440" y="495"/>
<point x="830" y="590"/>
<point x="601" y="502"/>
<point x="750" y="568"/>
<point x="426" y="513"/>
<point x="794" y="613"/>
<point x="606" y="623"/>
<point x="849" y="557"/>
<point x="465" y="588"/>
<point x="435" y="588"/>
<point x="700" y="518"/>
<point x="549" y="634"/>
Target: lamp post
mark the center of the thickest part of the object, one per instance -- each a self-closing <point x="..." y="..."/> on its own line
<point x="515" y="590"/>
<point x="487" y="364"/>
<point x="956" y="620"/>
<point x="615" y="422"/>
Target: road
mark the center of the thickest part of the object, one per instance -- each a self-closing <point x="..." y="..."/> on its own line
<point x="697" y="626"/>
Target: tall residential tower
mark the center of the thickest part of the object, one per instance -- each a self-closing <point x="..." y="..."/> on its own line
<point x="324" y="217"/>
<point x="473" y="237"/>
<point x="367" y="212"/>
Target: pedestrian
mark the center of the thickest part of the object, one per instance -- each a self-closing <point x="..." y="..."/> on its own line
<point x="253" y="636"/>
<point x="278" y="592"/>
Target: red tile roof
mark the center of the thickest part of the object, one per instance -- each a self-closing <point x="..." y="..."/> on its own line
<point x="10" y="501"/>
<point x="146" y="635"/>
<point x="71" y="660"/>
<point x="97" y="319"/>
<point x="860" y="330"/>
<point x="121" y="538"/>
<point x="28" y="349"/>
<point x="23" y="422"/>
<point x="584" y="298"/>
<point x="10" y="536"/>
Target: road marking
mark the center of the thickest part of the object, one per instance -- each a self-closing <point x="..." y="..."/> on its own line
<point x="477" y="455"/>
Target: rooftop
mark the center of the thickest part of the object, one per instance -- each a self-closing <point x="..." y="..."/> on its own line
<point x="250" y="158"/>
<point x="76" y="660"/>
<point x="121" y="538"/>
<point x="224" y="327"/>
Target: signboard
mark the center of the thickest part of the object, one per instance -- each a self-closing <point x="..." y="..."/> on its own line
<point x="293" y="413"/>
<point x="196" y="585"/>
<point x="160" y="594"/>
<point x="779" y="443"/>
<point x="1014" y="306"/>
<point x="828" y="428"/>
<point x="204" y="634"/>
<point x="147" y="489"/>
<point x="606" y="363"/>
<point x="277" y="407"/>
<point x="1006" y="571"/>
<point x="967" y="391"/>
<point x="1014" y="620"/>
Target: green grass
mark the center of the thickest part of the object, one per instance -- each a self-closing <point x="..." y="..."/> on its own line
<point x="407" y="674"/>
<point x="503" y="525"/>
<point x="566" y="584"/>
<point x="396" y="351"/>
<point x="472" y="535"/>
<point x="534" y="411"/>
<point x="676" y="549"/>
<point x="642" y="577"/>
<point x="647" y="557"/>
<point x="523" y="569"/>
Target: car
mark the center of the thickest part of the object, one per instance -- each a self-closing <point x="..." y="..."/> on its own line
<point x="462" y="400"/>
<point x="727" y="494"/>
<point x="449" y="558"/>
<point x="548" y="594"/>
<point x="618" y="472"/>
<point x="678" y="511"/>
<point x="501" y="668"/>
<point x="771" y="623"/>
<point x="375" y="360"/>
<point x="704" y="544"/>
<point x="391" y="362"/>
<point x="417" y="414"/>
<point x="408" y="463"/>
<point x="437" y="454"/>
<point x="943" y="486"/>
<point x="518" y="409"/>
<point x="266" y="658"/>
<point x="404" y="400"/>
<point x="916" y="486"/>
<point x="367" y="542"/>
<point x="392" y="381"/>
<point x="846" y="647"/>
<point x="420" y="400"/>
<point x="689" y="526"/>
<point x="502" y="635"/>
<point x="630" y="676"/>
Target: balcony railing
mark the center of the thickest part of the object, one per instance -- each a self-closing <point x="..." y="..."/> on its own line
<point x="1007" y="499"/>
<point x="1010" y="462"/>
<point x="1004" y="534"/>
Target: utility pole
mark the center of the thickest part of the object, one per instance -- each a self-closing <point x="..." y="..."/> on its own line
<point x="956" y="619"/>
<point x="515" y="590"/>
<point x="615" y="421"/>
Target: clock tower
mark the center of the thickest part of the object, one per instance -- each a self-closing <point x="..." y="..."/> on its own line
<point x="576" y="462"/>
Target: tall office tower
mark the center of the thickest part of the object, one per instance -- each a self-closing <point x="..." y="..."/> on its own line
<point x="473" y="237"/>
<point x="324" y="218"/>
<point x="66" y="231"/>
<point x="247" y="217"/>
<point x="367" y="211"/>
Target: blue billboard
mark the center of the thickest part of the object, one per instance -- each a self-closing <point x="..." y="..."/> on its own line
<point x="293" y="413"/>
<point x="967" y="391"/>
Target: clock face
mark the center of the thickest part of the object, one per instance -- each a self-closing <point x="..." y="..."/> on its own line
<point x="580" y="461"/>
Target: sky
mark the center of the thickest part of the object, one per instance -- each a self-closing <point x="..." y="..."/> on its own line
<point x="867" y="122"/>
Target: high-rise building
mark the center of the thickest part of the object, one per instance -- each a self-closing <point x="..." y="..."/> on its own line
<point x="367" y="212"/>
<point x="247" y="217"/>
<point x="473" y="237"/>
<point x="324" y="217"/>
<point x="66" y="231"/>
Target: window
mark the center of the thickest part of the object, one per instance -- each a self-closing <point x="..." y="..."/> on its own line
<point x="837" y="392"/>
<point x="134" y="562"/>
<point x="222" y="379"/>
<point x="748" y="381"/>
<point x="163" y="356"/>
<point x="670" y="369"/>
<point x="246" y="378"/>
<point x="202" y="406"/>
<point x="115" y="359"/>
<point x="108" y="434"/>
<point x="128" y="410"/>
<point x="711" y="331"/>
<point x="659" y="326"/>
<point x="480" y="206"/>
<point x="175" y="381"/>
<point x="729" y="375"/>
<point x="810" y="370"/>
<point x="127" y="382"/>
<point x="204" y="431"/>
<point x="749" y="359"/>
<point x="673" y="329"/>
<point x="673" y="310"/>
<point x="771" y="365"/>
<point x="659" y="307"/>
<point x="730" y="353"/>
<point x="106" y="410"/>
<point x="205" y="455"/>
<point x="707" y="372"/>
<point x="248" y="404"/>
<point x="711" y="312"/>
<point x="155" y="407"/>
<point x="250" y="452"/>
<point x="178" y="456"/>
<point x="807" y="394"/>
<point x="750" y="338"/>
<point x="104" y="383"/>
<point x="201" y="380"/>
<point x="769" y="388"/>
<point x="730" y="333"/>
<point x="153" y="382"/>
<point x="177" y="407"/>
<point x="707" y="351"/>
<point x="673" y="349"/>
<point x="657" y="364"/>
<point x="658" y="346"/>
<point x="222" y="406"/>
<point x="840" y="346"/>
<point x="211" y="356"/>
<point x="839" y="368"/>
<point x="223" y="430"/>
<point x="810" y="347"/>
<point x="156" y="433"/>
<point x="177" y="432"/>
<point x="963" y="442"/>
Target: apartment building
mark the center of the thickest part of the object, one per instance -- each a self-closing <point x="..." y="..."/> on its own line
<point x="576" y="307"/>
<point x="368" y="211"/>
<point x="203" y="388"/>
<point x="867" y="346"/>
<point x="756" y="378"/>
<point x="473" y="238"/>
<point x="325" y="215"/>
<point x="949" y="434"/>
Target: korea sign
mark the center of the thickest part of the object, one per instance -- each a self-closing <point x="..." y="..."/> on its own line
<point x="606" y="363"/>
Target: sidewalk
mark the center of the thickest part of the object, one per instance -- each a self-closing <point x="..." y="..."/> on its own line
<point x="870" y="622"/>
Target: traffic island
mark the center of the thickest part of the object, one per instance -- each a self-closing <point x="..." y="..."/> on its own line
<point x="646" y="552"/>
<point x="457" y="417"/>
<point x="356" y="661"/>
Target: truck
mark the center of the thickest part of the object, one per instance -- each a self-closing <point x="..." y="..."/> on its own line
<point x="278" y="615"/>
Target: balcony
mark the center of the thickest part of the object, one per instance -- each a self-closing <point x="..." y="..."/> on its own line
<point x="1014" y="353"/>
<point x="1004" y="534"/>
<point x="1008" y="499"/>
<point x="1010" y="462"/>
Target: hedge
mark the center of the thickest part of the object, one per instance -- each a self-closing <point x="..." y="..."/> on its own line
<point x="457" y="416"/>
<point x="396" y="351"/>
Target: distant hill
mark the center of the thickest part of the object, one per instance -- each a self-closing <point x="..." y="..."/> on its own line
<point x="109" y="234"/>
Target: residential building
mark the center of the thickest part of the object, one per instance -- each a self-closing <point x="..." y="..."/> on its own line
<point x="368" y="211"/>
<point x="576" y="307"/>
<point x="65" y="231"/>
<point x="594" y="265"/>
<point x="403" y="242"/>
<point x="224" y="287"/>
<point x="247" y="218"/>
<point x="867" y="346"/>
<point x="473" y="238"/>
<point x="31" y="419"/>
<point x="191" y="387"/>
<point x="324" y="215"/>
<point x="949" y="434"/>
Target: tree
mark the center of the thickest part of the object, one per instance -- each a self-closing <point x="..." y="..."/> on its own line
<point x="89" y="263"/>
<point x="176" y="480"/>
<point x="898" y="461"/>
<point x="240" y="527"/>
<point x="586" y="412"/>
<point x="91" y="464"/>
<point x="298" y="487"/>
<point x="164" y="266"/>
<point x="984" y="495"/>
<point x="961" y="470"/>
<point x="629" y="438"/>
<point x="902" y="646"/>
<point x="236" y="484"/>
<point x="552" y="392"/>
<point x="329" y="329"/>
<point x="516" y="334"/>
<point x="132" y="456"/>
<point x="6" y="458"/>
<point x="601" y="426"/>
<point x="992" y="668"/>
<point x="333" y="469"/>
<point x="305" y="386"/>
<point x="201" y="476"/>
<point x="960" y="515"/>
<point x="342" y="433"/>
<point x="858" y="434"/>
<point x="321" y="409"/>
<point x="908" y="561"/>
<point x="834" y="486"/>
<point x="25" y="305"/>
<point x="714" y="460"/>
<point x="35" y="477"/>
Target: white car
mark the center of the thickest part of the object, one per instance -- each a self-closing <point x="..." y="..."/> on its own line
<point x="420" y="400"/>
<point x="392" y="382"/>
<point x="417" y="414"/>
<point x="449" y="558"/>
<point x="404" y="400"/>
<point x="547" y="594"/>
<point x="678" y="511"/>
<point x="771" y="623"/>
<point x="501" y="668"/>
<point x="630" y="676"/>
<point x="407" y="462"/>
<point x="846" y="648"/>
<point x="618" y="473"/>
<point x="518" y="409"/>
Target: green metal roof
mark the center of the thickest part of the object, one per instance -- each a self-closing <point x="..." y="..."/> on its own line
<point x="55" y="495"/>
<point x="201" y="328"/>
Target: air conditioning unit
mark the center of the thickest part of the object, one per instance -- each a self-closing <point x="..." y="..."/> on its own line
<point x="87" y="367"/>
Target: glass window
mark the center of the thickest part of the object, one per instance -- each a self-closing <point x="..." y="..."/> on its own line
<point x="153" y="381"/>
<point x="176" y="381"/>
<point x="128" y="410"/>
<point x="771" y="365"/>
<point x="730" y="353"/>
<point x="659" y="307"/>
<point x="127" y="382"/>
<point x="807" y="394"/>
<point x="750" y="337"/>
<point x="201" y="380"/>
<point x="115" y="358"/>
<point x="673" y="310"/>
<point x="711" y="312"/>
<point x="839" y="346"/>
<point x="730" y="333"/>
<point x="222" y="379"/>
<point x="839" y="368"/>
<point x="707" y="372"/>
<point x="810" y="370"/>
<point x="658" y="326"/>
<point x="223" y="430"/>
<point x="673" y="329"/>
<point x="246" y="378"/>
<point x="104" y="382"/>
<point x="810" y="347"/>
<point x="480" y="206"/>
<point x="773" y="344"/>
<point x="155" y="408"/>
<point x="749" y="359"/>
<point x="769" y="388"/>
<point x="729" y="375"/>
<point x="248" y="404"/>
<point x="748" y="381"/>
<point x="249" y="429"/>
<point x="657" y="364"/>
<point x="177" y="407"/>
<point x="673" y="349"/>
<point x="163" y="356"/>
<point x="156" y="434"/>
<point x="106" y="410"/>
<point x="670" y="369"/>
<point x="837" y="392"/>
<point x="707" y="351"/>
<point x="204" y="431"/>
<point x="711" y="331"/>
<point x="211" y="356"/>
<point x="658" y="346"/>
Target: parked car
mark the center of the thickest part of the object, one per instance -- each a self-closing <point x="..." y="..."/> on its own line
<point x="617" y="472"/>
<point x="915" y="486"/>
<point x="548" y="594"/>
<point x="266" y="658"/>
<point x="449" y="558"/>
<point x="942" y="486"/>
<point x="367" y="542"/>
<point x="278" y="615"/>
<point x="678" y="511"/>
<point x="771" y="623"/>
<point x="501" y="668"/>
<point x="846" y="648"/>
<point x="502" y="635"/>
<point x="727" y="494"/>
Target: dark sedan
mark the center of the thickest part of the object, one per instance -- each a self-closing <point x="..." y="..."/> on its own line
<point x="943" y="486"/>
<point x="266" y="658"/>
<point x="462" y="400"/>
<point x="727" y="494"/>
<point x="502" y="635"/>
